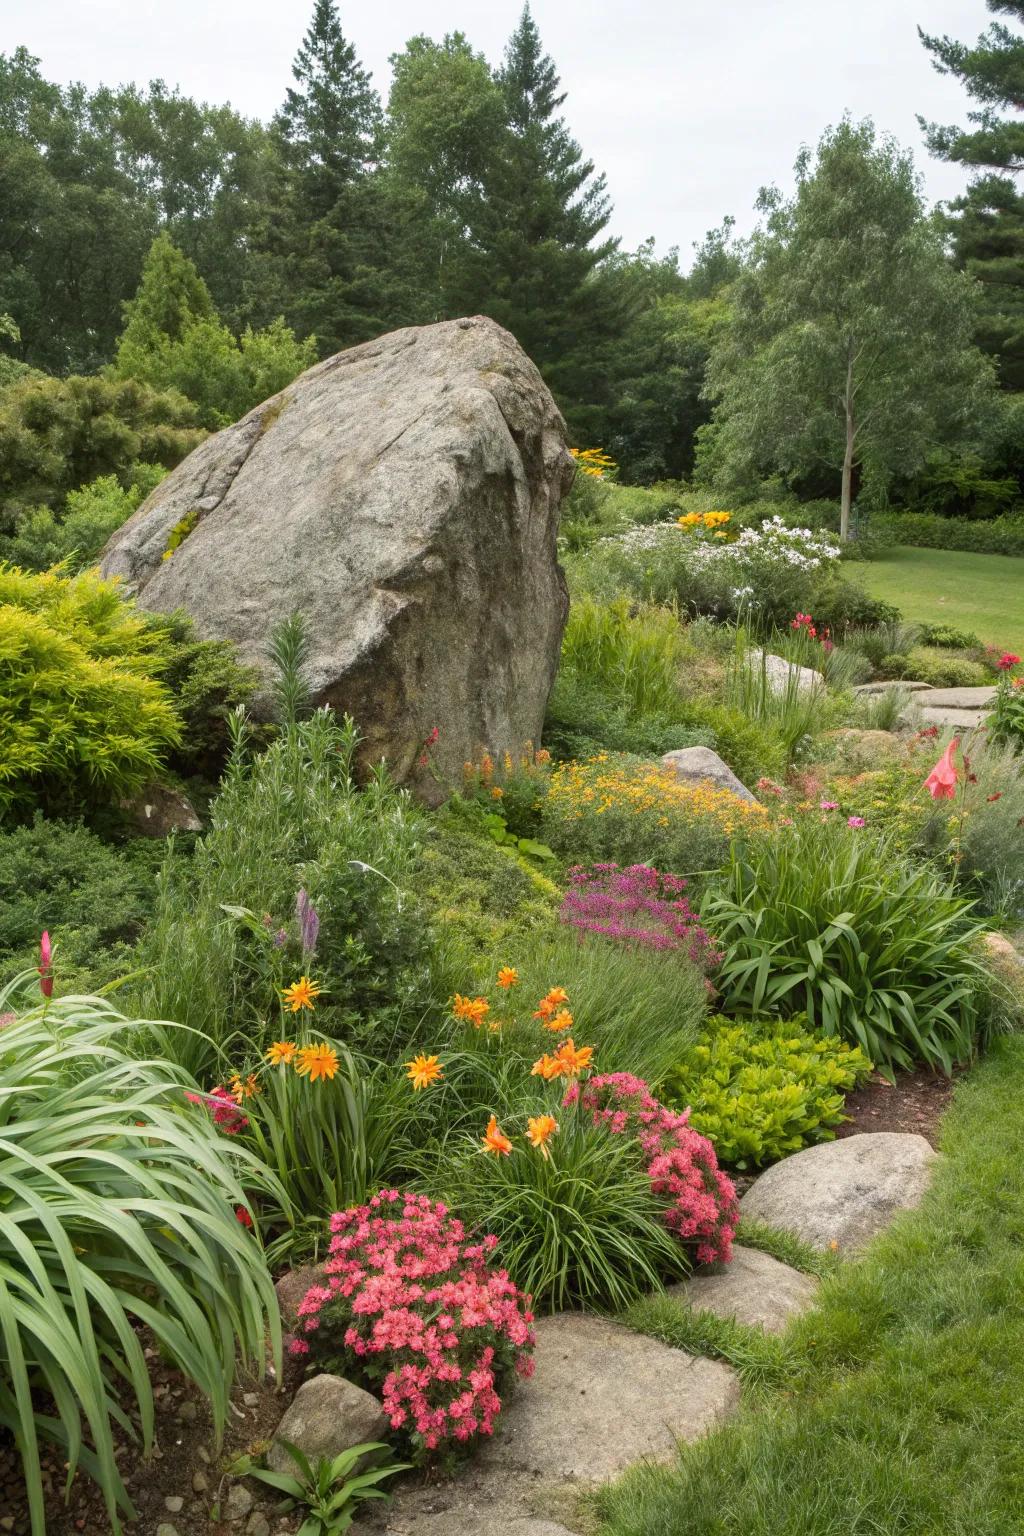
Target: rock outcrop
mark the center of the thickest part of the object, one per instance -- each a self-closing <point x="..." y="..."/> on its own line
<point x="403" y="497"/>
<point x="700" y="765"/>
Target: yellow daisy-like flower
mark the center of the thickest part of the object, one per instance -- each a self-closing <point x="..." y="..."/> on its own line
<point x="300" y="994"/>
<point x="508" y="976"/>
<point x="282" y="1053"/>
<point x="316" y="1061"/>
<point x="539" y="1130"/>
<point x="423" y="1070"/>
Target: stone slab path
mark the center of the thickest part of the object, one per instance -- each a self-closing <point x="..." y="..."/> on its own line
<point x="753" y="1288"/>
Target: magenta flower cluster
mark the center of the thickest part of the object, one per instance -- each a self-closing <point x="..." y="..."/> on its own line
<point x="413" y="1308"/>
<point x="702" y="1209"/>
<point x="637" y="905"/>
<point x="223" y="1106"/>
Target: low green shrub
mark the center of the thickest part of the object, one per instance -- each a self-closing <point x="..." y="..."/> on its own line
<point x="821" y="918"/>
<point x="119" y="1211"/>
<point x="946" y="669"/>
<point x="83" y="716"/>
<point x="91" y="897"/>
<point x="760" y="1089"/>
<point x="949" y="636"/>
<point x="76" y="535"/>
<point x="994" y="536"/>
<point x="208" y="683"/>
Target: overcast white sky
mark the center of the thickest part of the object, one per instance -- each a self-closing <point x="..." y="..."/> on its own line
<point x="688" y="106"/>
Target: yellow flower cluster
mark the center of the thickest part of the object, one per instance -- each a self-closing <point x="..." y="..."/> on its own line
<point x="594" y="462"/>
<point x="709" y="520"/>
<point x="312" y="1061"/>
<point x="598" y="786"/>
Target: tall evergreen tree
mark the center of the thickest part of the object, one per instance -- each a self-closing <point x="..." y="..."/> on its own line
<point x="535" y="247"/>
<point x="323" y="237"/>
<point x="987" y="223"/>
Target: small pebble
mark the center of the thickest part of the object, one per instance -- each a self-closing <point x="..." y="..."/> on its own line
<point x="257" y="1525"/>
<point x="204" y="1455"/>
<point x="200" y="1482"/>
<point x="188" y="1411"/>
<point x="174" y="1504"/>
<point x="166" y="1530"/>
<point x="238" y="1502"/>
<point x="251" y="1399"/>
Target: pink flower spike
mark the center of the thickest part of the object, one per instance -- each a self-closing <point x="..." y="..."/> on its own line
<point x="941" y="782"/>
<point x="45" y="965"/>
<point x="855" y="821"/>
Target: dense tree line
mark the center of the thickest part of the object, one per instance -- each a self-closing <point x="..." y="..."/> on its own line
<point x="147" y="237"/>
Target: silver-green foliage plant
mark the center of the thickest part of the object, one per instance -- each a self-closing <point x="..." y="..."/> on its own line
<point x="827" y="920"/>
<point x="118" y="1205"/>
<point x="759" y="1089"/>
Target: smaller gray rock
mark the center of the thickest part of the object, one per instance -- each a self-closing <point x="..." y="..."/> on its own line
<point x="780" y="673"/>
<point x="200" y="1482"/>
<point x="257" y="1524"/>
<point x="841" y="1194"/>
<point x="238" y="1502"/>
<point x="886" y="685"/>
<point x="960" y="719"/>
<point x="158" y="810"/>
<point x="251" y="1399"/>
<point x="188" y="1412"/>
<point x="174" y="1504"/>
<point x="699" y="765"/>
<point x="165" y="1529"/>
<point x="292" y="1287"/>
<point x="961" y="698"/>
<point x="327" y="1416"/>
<point x="753" y="1288"/>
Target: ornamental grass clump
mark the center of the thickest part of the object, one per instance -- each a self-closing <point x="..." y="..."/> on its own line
<point x="412" y="1308"/>
<point x="635" y="811"/>
<point x="121" y="1209"/>
<point x="637" y="906"/>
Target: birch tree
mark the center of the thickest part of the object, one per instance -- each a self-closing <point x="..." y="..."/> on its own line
<point x="849" y="348"/>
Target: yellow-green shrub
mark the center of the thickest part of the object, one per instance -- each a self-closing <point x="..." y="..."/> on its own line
<point x="760" y="1089"/>
<point x="82" y="712"/>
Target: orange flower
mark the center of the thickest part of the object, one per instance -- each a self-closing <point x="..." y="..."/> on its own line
<point x="282" y="1053"/>
<point x="508" y="976"/>
<point x="475" y="1009"/>
<point x="497" y="793"/>
<point x="315" y="1061"/>
<point x="574" y="1061"/>
<point x="562" y="1020"/>
<point x="548" y="1067"/>
<point x="539" y="1130"/>
<point x="300" y="994"/>
<point x="423" y="1070"/>
<point x="551" y="1003"/>
<point x="494" y="1139"/>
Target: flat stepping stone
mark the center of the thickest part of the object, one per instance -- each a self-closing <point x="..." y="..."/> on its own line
<point x="602" y="1397"/>
<point x="964" y="719"/>
<point x="886" y="685"/>
<point x="962" y="698"/>
<point x="753" y="1288"/>
<point x="841" y="1194"/>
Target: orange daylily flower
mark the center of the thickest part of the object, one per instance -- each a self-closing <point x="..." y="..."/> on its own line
<point x="562" y="1020"/>
<point x="423" y="1070"/>
<point x="550" y="1004"/>
<point x="315" y="1061"/>
<point x="548" y="1067"/>
<point x="494" y="1139"/>
<point x="574" y="1061"/>
<point x="539" y="1130"/>
<point x="508" y="976"/>
<point x="475" y="1009"/>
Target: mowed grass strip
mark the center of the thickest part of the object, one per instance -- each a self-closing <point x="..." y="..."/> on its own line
<point x="897" y="1406"/>
<point x="983" y="593"/>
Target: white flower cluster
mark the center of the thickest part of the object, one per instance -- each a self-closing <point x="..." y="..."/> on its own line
<point x="802" y="548"/>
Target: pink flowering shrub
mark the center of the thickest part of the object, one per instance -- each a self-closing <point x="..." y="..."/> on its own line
<point x="412" y="1309"/>
<point x="639" y="906"/>
<point x="701" y="1205"/>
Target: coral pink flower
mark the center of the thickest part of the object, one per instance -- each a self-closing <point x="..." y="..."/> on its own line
<point x="941" y="782"/>
<point x="1006" y="661"/>
<point x="45" y="966"/>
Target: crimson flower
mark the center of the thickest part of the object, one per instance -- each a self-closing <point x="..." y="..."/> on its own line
<point x="1006" y="661"/>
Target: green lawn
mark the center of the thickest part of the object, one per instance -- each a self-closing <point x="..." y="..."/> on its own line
<point x="983" y="593"/>
<point x="895" y="1407"/>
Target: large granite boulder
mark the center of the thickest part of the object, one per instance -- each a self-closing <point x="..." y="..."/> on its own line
<point x="403" y="497"/>
<point x="841" y="1194"/>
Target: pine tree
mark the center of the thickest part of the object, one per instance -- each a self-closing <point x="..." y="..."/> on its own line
<point x="987" y="223"/>
<point x="534" y="249"/>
